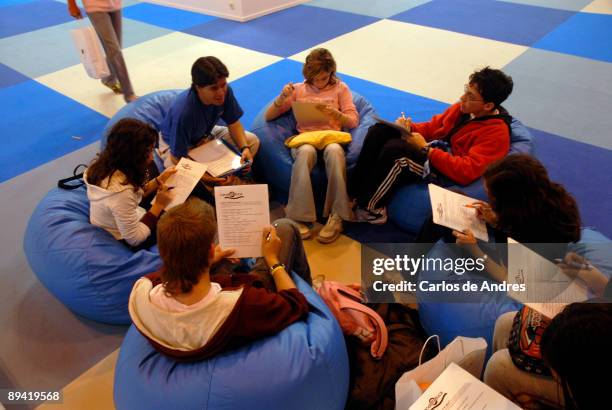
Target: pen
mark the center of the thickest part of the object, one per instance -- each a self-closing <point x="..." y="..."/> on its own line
<point x="269" y="236"/>
<point x="575" y="265"/>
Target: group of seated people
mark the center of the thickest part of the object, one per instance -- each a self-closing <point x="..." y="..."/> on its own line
<point x="218" y="310"/>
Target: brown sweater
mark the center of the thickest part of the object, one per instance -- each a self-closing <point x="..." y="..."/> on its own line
<point x="256" y="313"/>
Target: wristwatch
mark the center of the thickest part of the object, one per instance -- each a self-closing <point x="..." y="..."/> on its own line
<point x="274" y="267"/>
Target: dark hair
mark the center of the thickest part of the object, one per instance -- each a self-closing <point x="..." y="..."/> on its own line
<point x="493" y="85"/>
<point x="529" y="206"/>
<point x="575" y="345"/>
<point x="206" y="71"/>
<point x="128" y="146"/>
<point x="184" y="236"/>
<point x="318" y="61"/>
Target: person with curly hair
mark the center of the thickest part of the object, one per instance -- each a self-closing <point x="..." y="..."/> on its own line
<point x="118" y="179"/>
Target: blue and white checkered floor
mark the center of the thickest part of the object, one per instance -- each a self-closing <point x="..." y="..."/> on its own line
<point x="403" y="55"/>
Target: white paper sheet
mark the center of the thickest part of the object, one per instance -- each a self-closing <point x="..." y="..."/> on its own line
<point x="217" y="156"/>
<point x="182" y="182"/>
<point x="457" y="389"/>
<point x="548" y="289"/>
<point x="307" y="114"/>
<point x="242" y="213"/>
<point x="449" y="209"/>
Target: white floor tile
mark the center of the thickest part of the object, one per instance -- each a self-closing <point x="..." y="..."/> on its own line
<point x="158" y="64"/>
<point x="599" y="6"/>
<point x="421" y="60"/>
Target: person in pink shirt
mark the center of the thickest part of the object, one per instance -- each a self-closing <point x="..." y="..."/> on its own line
<point x="321" y="85"/>
<point x="105" y="17"/>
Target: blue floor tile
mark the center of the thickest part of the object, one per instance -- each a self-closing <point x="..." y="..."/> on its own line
<point x="9" y="77"/>
<point x="585" y="34"/>
<point x="55" y="49"/>
<point x="283" y="33"/>
<point x="389" y="102"/>
<point x="374" y="8"/>
<point x="38" y="133"/>
<point x="563" y="94"/>
<point x="167" y="17"/>
<point x="32" y="16"/>
<point x="508" y="22"/>
<point x="585" y="171"/>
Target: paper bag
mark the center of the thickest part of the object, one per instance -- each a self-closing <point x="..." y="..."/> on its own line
<point x="90" y="50"/>
<point x="467" y="352"/>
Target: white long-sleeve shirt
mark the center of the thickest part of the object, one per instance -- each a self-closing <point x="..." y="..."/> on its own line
<point x="115" y="207"/>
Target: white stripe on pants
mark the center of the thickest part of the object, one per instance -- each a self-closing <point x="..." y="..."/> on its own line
<point x="389" y="180"/>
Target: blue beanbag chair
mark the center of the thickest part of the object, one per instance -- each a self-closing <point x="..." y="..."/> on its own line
<point x="273" y="163"/>
<point x="477" y="319"/>
<point x="151" y="109"/>
<point x="83" y="265"/>
<point x="410" y="205"/>
<point x="303" y="367"/>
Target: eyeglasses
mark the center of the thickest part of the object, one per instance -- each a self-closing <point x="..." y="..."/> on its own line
<point x="469" y="95"/>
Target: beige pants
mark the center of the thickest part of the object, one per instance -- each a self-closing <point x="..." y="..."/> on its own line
<point x="301" y="204"/>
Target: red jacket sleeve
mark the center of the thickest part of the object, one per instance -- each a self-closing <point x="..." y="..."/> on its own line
<point x="489" y="146"/>
<point x="439" y="125"/>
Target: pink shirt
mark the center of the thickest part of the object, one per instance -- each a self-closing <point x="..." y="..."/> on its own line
<point x="92" y="6"/>
<point x="338" y="96"/>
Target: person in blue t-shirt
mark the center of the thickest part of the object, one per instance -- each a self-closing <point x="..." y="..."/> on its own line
<point x="192" y="118"/>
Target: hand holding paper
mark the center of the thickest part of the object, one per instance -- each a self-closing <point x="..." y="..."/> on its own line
<point x="451" y="209"/>
<point x="181" y="181"/>
<point x="242" y="213"/>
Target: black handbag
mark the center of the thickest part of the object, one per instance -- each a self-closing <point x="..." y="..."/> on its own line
<point x="75" y="181"/>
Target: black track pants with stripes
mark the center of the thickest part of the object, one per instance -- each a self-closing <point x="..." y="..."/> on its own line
<point x="386" y="162"/>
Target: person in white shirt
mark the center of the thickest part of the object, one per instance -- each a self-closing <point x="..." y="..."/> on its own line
<point x="118" y="179"/>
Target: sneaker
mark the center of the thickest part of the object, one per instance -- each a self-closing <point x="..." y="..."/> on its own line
<point x="304" y="229"/>
<point x="331" y="230"/>
<point x="375" y="217"/>
<point x="116" y="87"/>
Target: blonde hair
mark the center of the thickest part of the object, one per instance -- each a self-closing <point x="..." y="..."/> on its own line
<point x="318" y="61"/>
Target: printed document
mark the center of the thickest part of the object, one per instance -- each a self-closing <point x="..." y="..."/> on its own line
<point x="456" y="389"/>
<point x="219" y="159"/>
<point x="242" y="213"/>
<point x="182" y="182"/>
<point x="548" y="288"/>
<point x="449" y="209"/>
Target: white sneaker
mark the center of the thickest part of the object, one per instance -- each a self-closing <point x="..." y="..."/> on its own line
<point x="376" y="217"/>
<point x="304" y="229"/>
<point x="331" y="230"/>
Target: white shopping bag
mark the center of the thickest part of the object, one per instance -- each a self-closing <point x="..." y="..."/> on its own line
<point x="91" y="52"/>
<point x="467" y="352"/>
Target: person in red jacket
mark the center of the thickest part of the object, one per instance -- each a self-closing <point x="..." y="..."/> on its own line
<point x="454" y="147"/>
<point x="189" y="311"/>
